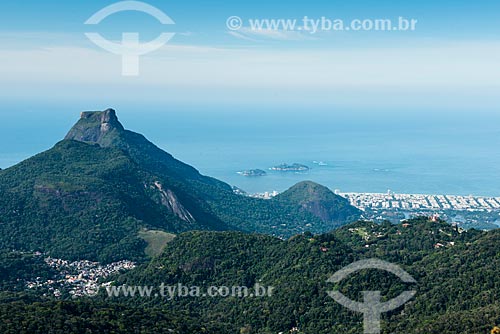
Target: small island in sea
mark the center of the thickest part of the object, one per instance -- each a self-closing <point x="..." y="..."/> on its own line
<point x="295" y="167"/>
<point x="253" y="172"/>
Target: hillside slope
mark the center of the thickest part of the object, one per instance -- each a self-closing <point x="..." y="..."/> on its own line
<point x="457" y="286"/>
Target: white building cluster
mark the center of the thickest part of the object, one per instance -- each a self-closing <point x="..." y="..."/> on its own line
<point x="80" y="278"/>
<point x="422" y="202"/>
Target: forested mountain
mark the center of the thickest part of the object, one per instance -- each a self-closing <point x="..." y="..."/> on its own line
<point x="320" y="201"/>
<point x="91" y="194"/>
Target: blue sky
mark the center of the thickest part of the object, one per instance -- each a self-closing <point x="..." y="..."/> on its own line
<point x="451" y="61"/>
<point x="441" y="18"/>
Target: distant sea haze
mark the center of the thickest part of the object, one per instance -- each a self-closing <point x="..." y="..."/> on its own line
<point x="416" y="152"/>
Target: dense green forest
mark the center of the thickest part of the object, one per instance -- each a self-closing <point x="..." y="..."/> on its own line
<point x="457" y="283"/>
<point x="458" y="289"/>
<point x="28" y="314"/>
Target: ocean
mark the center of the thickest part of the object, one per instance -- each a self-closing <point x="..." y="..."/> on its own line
<point x="407" y="151"/>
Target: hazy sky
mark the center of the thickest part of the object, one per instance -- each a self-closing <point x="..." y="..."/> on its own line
<point x="451" y="61"/>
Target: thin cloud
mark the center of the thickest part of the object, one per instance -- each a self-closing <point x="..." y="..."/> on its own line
<point x="325" y="74"/>
<point x="273" y="34"/>
<point x="241" y="36"/>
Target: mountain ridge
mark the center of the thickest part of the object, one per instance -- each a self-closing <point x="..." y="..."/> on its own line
<point x="102" y="184"/>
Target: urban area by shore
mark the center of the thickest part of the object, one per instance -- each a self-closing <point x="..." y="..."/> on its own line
<point x="481" y="212"/>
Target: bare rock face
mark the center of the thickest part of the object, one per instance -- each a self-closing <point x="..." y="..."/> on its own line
<point x="99" y="127"/>
<point x="170" y="200"/>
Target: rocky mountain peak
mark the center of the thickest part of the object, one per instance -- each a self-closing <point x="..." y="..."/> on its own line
<point x="99" y="127"/>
